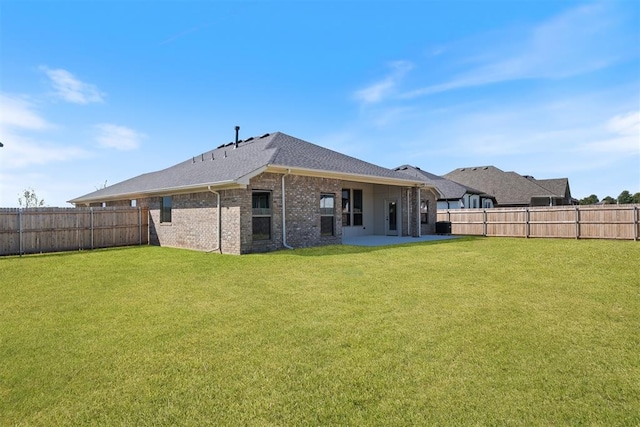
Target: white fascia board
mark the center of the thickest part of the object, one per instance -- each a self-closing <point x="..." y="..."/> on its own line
<point x="344" y="176"/>
<point x="244" y="179"/>
<point x="185" y="189"/>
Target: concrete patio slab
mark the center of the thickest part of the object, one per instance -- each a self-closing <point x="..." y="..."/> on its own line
<point x="392" y="240"/>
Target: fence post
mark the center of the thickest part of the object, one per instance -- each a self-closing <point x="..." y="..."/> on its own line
<point x="484" y="222"/>
<point x="577" y="222"/>
<point x="636" y="222"/>
<point x="91" y="225"/>
<point x="20" y="231"/>
<point x="526" y="218"/>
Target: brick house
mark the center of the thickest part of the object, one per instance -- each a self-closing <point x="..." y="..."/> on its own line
<point x="272" y="192"/>
<point x="512" y="189"/>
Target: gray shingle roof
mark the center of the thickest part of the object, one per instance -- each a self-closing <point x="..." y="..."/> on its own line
<point x="229" y="164"/>
<point x="448" y="189"/>
<point x="509" y="188"/>
<point x="558" y="186"/>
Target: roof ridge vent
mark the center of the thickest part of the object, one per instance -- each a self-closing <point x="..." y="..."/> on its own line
<point x="265" y="135"/>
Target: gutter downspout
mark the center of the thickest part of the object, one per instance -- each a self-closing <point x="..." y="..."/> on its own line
<point x="219" y="219"/>
<point x="284" y="215"/>
<point x="408" y="211"/>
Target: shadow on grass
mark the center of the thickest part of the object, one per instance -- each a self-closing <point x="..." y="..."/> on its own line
<point x="71" y="253"/>
<point x="352" y="249"/>
<point x="329" y="250"/>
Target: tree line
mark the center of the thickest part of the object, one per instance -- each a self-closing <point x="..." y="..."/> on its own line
<point x="623" y="199"/>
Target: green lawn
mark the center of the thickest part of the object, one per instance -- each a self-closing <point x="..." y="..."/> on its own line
<point x="471" y="331"/>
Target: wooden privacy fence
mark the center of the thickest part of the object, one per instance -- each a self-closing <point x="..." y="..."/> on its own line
<point x="579" y="222"/>
<point x="37" y="230"/>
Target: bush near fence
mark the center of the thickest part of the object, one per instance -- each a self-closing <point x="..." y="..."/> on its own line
<point x="579" y="222"/>
<point x="39" y="230"/>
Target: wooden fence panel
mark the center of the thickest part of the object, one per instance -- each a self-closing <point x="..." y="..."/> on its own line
<point x="37" y="230"/>
<point x="552" y="222"/>
<point x="506" y="222"/>
<point x="579" y="222"/>
<point x="466" y="221"/>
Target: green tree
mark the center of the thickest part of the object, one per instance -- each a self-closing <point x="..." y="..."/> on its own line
<point x="625" y="198"/>
<point x="591" y="200"/>
<point x="609" y="200"/>
<point x="29" y="199"/>
<point x="636" y="198"/>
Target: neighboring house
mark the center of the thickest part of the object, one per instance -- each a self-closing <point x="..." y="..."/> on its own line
<point x="271" y="192"/>
<point x="452" y="194"/>
<point x="511" y="189"/>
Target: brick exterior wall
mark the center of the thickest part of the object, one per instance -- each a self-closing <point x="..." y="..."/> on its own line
<point x="430" y="227"/>
<point x="302" y="203"/>
<point x="194" y="221"/>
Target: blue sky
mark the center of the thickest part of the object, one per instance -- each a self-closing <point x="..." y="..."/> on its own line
<point x="106" y="90"/>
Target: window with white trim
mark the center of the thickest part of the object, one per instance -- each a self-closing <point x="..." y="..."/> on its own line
<point x="261" y="215"/>
<point x="327" y="214"/>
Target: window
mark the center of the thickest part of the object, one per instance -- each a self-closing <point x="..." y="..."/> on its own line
<point x="346" y="207"/>
<point x="351" y="207"/>
<point x="166" y="203"/>
<point x="327" y="203"/>
<point x="424" y="212"/>
<point x="357" y="207"/>
<point x="261" y="223"/>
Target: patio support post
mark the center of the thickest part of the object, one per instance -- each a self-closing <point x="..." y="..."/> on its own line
<point x="408" y="211"/>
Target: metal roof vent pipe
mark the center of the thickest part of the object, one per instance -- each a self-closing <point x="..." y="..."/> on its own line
<point x="236" y="143"/>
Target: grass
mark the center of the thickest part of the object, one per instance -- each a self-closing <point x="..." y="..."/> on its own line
<point x="472" y="331"/>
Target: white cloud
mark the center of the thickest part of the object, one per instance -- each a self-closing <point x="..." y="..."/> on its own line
<point x="623" y="135"/>
<point x="71" y="89"/>
<point x="22" y="152"/>
<point x="626" y="124"/>
<point x="19" y="113"/>
<point x="118" y="137"/>
<point x="18" y="119"/>
<point x="385" y="87"/>
<point x="581" y="40"/>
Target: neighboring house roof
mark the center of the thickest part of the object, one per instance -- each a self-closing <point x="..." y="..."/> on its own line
<point x="559" y="186"/>
<point x="232" y="166"/>
<point x="448" y="189"/>
<point x="509" y="188"/>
